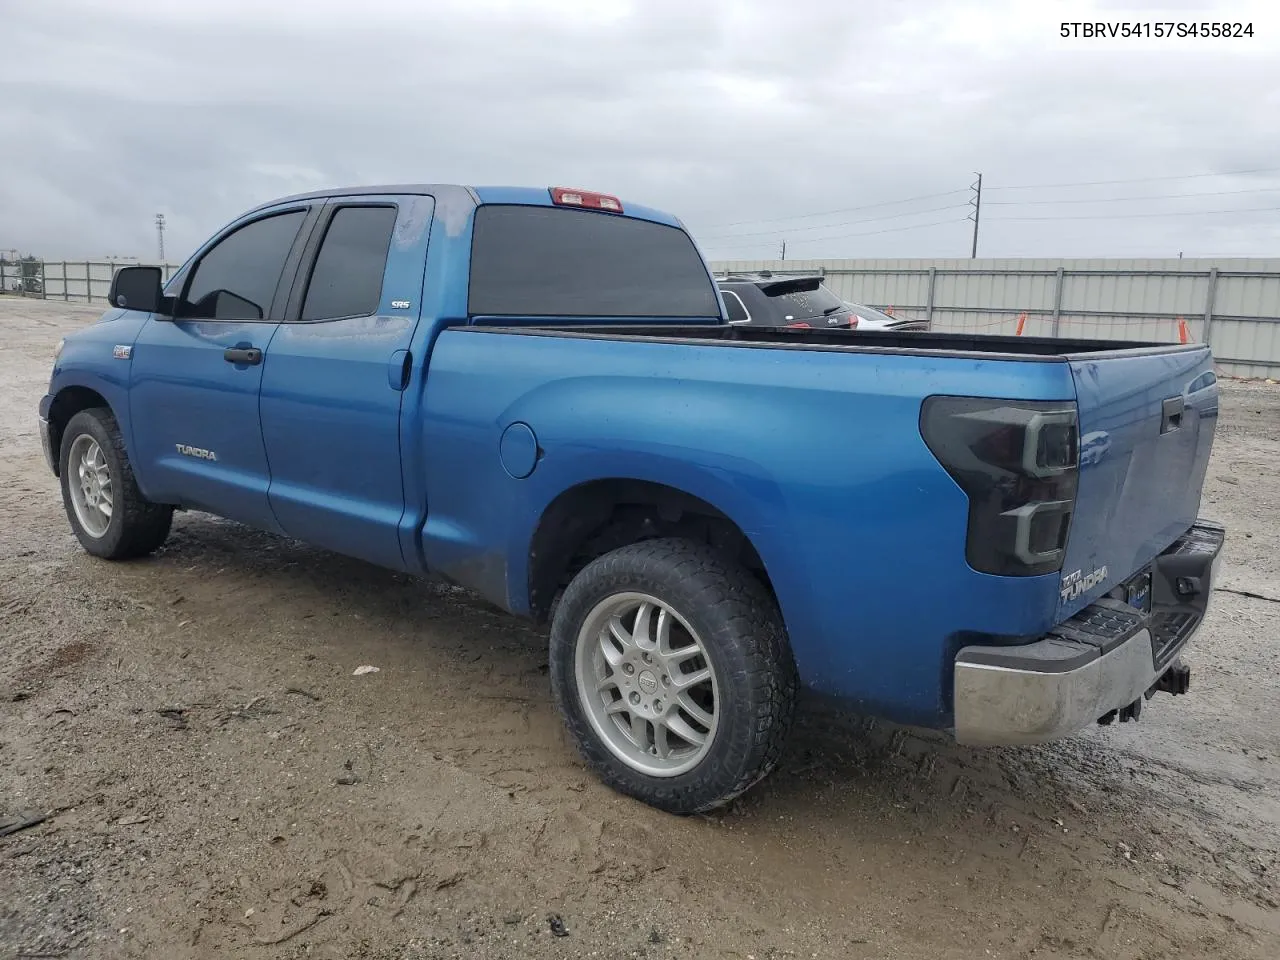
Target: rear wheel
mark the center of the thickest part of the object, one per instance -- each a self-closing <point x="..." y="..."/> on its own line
<point x="671" y="669"/>
<point x="108" y="513"/>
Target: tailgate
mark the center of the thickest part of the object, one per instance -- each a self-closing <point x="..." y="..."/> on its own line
<point x="1146" y="428"/>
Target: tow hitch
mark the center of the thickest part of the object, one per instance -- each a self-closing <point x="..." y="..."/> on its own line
<point x="1175" y="681"/>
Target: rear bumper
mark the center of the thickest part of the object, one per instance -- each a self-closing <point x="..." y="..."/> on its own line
<point x="1105" y="658"/>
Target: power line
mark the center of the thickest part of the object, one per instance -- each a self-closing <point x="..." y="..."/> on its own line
<point x="821" y="226"/>
<point x="843" y="236"/>
<point x="1135" y="216"/>
<point x="832" y="213"/>
<point x="988" y="188"/>
<point x="1096" y="183"/>
<point x="1154" y="196"/>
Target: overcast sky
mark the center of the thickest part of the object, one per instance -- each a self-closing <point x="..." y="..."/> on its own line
<point x="753" y="120"/>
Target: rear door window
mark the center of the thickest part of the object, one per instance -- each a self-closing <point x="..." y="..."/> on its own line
<point x="554" y="262"/>
<point x="346" y="280"/>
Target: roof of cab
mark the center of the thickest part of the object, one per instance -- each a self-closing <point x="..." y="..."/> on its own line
<point x="526" y="196"/>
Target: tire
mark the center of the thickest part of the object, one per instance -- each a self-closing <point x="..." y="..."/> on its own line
<point x="134" y="527"/>
<point x="741" y="714"/>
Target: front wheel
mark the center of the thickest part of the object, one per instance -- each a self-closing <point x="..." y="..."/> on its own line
<point x="672" y="671"/>
<point x="108" y="513"/>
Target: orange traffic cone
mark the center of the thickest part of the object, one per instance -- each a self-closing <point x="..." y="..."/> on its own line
<point x="1184" y="334"/>
<point x="1022" y="322"/>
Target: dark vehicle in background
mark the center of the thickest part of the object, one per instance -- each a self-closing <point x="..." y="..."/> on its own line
<point x="763" y="300"/>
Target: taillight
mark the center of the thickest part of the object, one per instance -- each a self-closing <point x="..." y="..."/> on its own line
<point x="853" y="321"/>
<point x="1017" y="461"/>
<point x="564" y="197"/>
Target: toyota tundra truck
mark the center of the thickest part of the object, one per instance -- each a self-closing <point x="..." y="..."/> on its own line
<point x="536" y="393"/>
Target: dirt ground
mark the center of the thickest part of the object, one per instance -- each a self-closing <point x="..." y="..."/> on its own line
<point x="217" y="783"/>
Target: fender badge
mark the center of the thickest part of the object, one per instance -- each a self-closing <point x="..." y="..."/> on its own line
<point x="122" y="351"/>
<point x="198" y="452"/>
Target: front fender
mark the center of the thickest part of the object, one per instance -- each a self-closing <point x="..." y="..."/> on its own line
<point x="98" y="358"/>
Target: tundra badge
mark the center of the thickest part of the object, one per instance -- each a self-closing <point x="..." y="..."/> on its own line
<point x="197" y="452"/>
<point x="1074" y="584"/>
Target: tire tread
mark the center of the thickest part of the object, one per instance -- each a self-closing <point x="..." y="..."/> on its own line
<point x="746" y="618"/>
<point x="144" y="525"/>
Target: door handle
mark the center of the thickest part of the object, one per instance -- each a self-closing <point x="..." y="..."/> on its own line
<point x="249" y="355"/>
<point x="1171" y="415"/>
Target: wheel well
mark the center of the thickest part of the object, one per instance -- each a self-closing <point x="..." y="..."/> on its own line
<point x="589" y="520"/>
<point x="69" y="402"/>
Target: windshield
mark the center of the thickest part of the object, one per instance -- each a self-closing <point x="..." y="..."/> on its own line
<point x="804" y="304"/>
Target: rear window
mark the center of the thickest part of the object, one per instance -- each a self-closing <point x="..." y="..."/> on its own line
<point x="803" y="302"/>
<point x="552" y="262"/>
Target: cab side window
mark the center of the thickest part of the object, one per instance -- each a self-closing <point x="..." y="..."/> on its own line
<point x="733" y="304"/>
<point x="346" y="280"/>
<point x="237" y="278"/>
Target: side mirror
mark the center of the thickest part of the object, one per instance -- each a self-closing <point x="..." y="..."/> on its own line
<point x="136" y="288"/>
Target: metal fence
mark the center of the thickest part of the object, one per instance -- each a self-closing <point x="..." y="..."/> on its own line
<point x="83" y="281"/>
<point x="1232" y="304"/>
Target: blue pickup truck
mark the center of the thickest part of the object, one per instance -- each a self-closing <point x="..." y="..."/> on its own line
<point x="537" y="394"/>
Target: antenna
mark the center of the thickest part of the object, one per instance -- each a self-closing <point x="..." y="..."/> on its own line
<point x="976" y="203"/>
<point x="160" y="234"/>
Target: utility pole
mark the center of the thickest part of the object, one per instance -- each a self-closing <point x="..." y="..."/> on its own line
<point x="784" y="250"/>
<point x="160" y="234"/>
<point x="976" y="203"/>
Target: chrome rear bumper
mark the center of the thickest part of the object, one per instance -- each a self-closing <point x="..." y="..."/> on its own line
<point x="1104" y="659"/>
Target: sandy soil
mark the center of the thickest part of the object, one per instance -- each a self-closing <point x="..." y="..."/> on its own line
<point x="217" y="782"/>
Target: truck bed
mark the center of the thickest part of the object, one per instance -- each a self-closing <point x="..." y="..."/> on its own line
<point x="822" y="464"/>
<point x="874" y="341"/>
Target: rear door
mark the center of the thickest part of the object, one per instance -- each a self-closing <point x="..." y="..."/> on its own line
<point x="195" y="376"/>
<point x="1149" y="420"/>
<point x="335" y="374"/>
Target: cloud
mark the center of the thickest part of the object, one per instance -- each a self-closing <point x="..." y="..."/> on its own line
<point x="730" y="114"/>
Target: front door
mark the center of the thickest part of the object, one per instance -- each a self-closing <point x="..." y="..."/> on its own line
<point x="335" y="374"/>
<point x="196" y="375"/>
